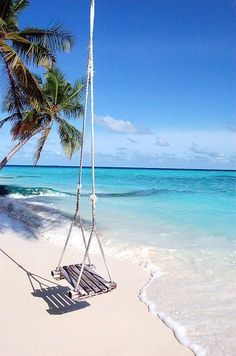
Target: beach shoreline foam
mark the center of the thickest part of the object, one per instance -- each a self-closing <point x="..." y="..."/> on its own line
<point x="23" y="252"/>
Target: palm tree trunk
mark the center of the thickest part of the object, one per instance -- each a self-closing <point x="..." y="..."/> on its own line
<point x="18" y="147"/>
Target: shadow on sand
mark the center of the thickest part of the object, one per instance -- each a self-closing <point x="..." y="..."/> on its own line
<point x="54" y="294"/>
<point x="34" y="217"/>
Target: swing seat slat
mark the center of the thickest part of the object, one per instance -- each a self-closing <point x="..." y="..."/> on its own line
<point x="91" y="283"/>
<point x="90" y="274"/>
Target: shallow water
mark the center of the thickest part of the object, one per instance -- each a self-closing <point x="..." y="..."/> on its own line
<point x="182" y="222"/>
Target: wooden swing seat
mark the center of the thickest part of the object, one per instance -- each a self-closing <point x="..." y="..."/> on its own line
<point x="91" y="283"/>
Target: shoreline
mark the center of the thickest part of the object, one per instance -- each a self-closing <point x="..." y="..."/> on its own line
<point x="150" y="335"/>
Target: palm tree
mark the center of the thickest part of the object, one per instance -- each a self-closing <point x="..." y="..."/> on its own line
<point x="61" y="99"/>
<point x="20" y="48"/>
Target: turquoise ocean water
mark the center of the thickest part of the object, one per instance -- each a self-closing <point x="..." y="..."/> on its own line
<point x="180" y="222"/>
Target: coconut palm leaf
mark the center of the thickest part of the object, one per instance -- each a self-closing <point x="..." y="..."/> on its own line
<point x="31" y="46"/>
<point x="20" y="5"/>
<point x="60" y="98"/>
<point x="15" y="98"/>
<point x="31" y="53"/>
<point x="5" y="9"/>
<point x="8" y="119"/>
<point x="19" y="72"/>
<point x="2" y="23"/>
<point x="9" y="10"/>
<point x="12" y="101"/>
<point x="77" y="92"/>
<point x="73" y="110"/>
<point x="70" y="137"/>
<point x="41" y="143"/>
<point x="55" y="85"/>
<point x="31" y="122"/>
<point x="55" y="37"/>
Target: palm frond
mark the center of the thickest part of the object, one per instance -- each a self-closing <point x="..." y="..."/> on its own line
<point x="11" y="118"/>
<point x="30" y="52"/>
<point x="4" y="81"/>
<point x="55" y="85"/>
<point x="5" y="9"/>
<point x="73" y="110"/>
<point x="21" y="73"/>
<point x="31" y="122"/>
<point x="21" y="128"/>
<point x="13" y="98"/>
<point x="70" y="137"/>
<point x="40" y="144"/>
<point x="9" y="11"/>
<point x="8" y="14"/>
<point x="2" y="23"/>
<point x="55" y="37"/>
<point x="77" y="92"/>
<point x="20" y="5"/>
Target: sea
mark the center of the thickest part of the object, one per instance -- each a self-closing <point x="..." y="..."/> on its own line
<point x="180" y="224"/>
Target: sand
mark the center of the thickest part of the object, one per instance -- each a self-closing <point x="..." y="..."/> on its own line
<point x="38" y="319"/>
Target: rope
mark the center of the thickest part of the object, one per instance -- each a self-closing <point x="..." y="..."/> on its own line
<point x="79" y="185"/>
<point x="93" y="197"/>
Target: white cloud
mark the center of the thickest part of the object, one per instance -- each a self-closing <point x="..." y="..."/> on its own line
<point x="131" y="140"/>
<point x="160" y="141"/>
<point x="116" y="125"/>
<point x="120" y="126"/>
<point x="206" y="152"/>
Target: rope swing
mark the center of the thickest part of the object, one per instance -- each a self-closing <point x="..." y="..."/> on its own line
<point x="84" y="280"/>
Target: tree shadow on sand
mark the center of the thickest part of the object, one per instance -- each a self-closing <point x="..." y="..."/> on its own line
<point x="37" y="219"/>
<point x="54" y="294"/>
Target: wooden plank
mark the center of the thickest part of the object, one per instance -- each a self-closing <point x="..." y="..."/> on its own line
<point x="73" y="281"/>
<point x="100" y="285"/>
<point x="68" y="277"/>
<point x="85" y="279"/>
<point x="91" y="283"/>
<point x="75" y="278"/>
<point x="99" y="278"/>
<point x="82" y="283"/>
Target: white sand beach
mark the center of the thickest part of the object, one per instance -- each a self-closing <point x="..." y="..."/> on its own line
<point x="38" y="319"/>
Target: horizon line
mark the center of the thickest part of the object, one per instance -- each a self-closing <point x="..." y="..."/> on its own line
<point x="119" y="167"/>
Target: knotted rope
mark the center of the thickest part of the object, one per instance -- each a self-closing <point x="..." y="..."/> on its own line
<point x="93" y="197"/>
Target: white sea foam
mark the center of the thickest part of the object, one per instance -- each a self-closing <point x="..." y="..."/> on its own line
<point x="47" y="193"/>
<point x="196" y="300"/>
<point x="178" y="329"/>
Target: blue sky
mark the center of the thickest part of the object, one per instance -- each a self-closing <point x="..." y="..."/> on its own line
<point x="165" y="81"/>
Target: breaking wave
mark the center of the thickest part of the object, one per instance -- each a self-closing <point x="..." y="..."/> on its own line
<point x="41" y="220"/>
<point x="142" y="193"/>
<point x="15" y="191"/>
<point x="19" y="176"/>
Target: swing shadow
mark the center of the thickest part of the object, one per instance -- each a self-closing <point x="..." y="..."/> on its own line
<point x="53" y="293"/>
<point x="58" y="301"/>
